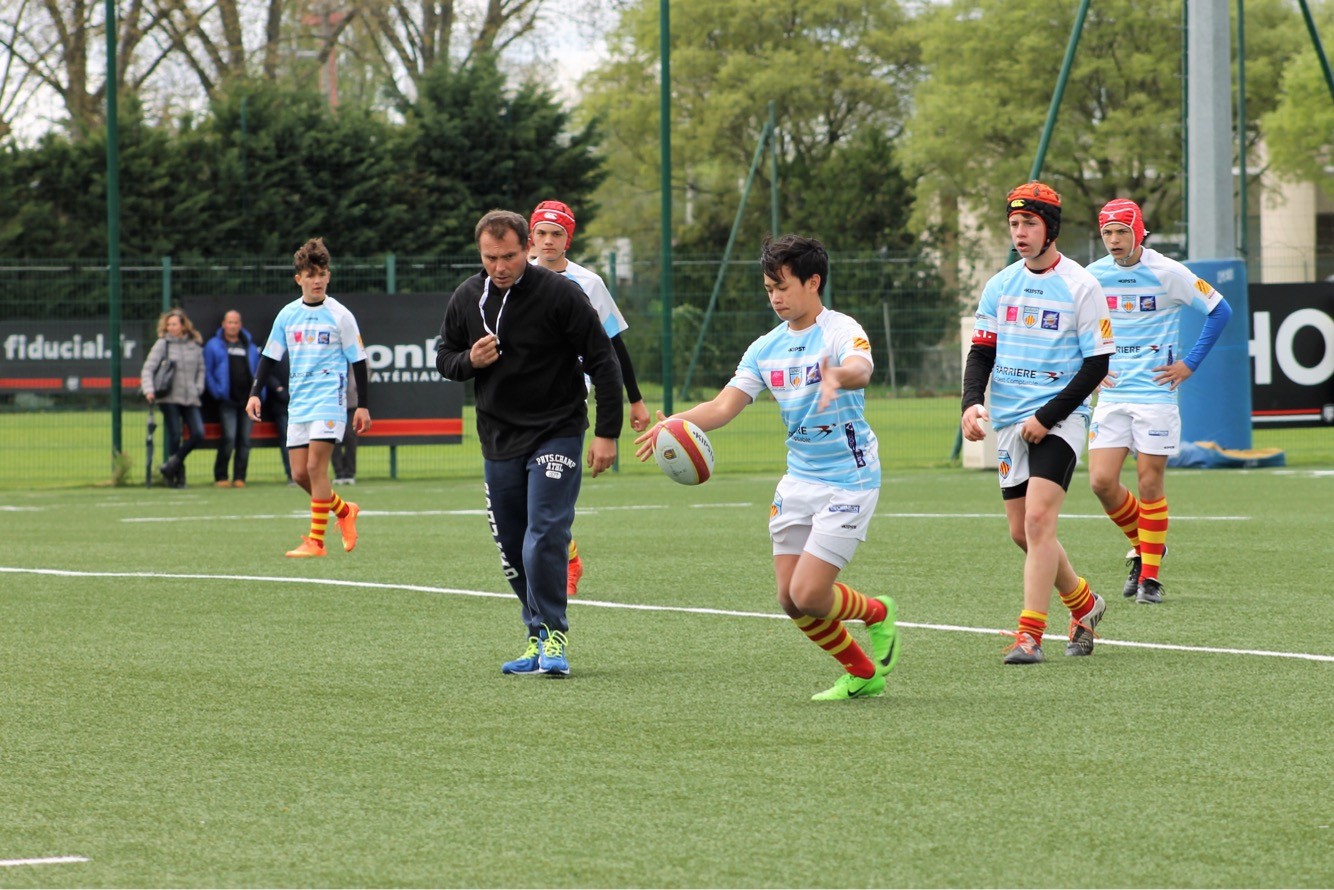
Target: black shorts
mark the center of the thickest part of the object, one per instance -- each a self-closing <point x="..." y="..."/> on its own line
<point x="1053" y="459"/>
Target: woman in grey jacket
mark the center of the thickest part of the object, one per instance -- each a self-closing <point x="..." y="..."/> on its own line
<point x="181" y="343"/>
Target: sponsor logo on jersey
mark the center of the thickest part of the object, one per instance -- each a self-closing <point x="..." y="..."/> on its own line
<point x="323" y="338"/>
<point x="776" y="379"/>
<point x="296" y="336"/>
<point x="1127" y="350"/>
<point x="1148" y="303"/>
<point x="1052" y="376"/>
<point x="1111" y="303"/>
<point x="845" y="508"/>
<point x="1030" y="316"/>
<point x="812" y="374"/>
<point x="1051" y="320"/>
<point x="1011" y="314"/>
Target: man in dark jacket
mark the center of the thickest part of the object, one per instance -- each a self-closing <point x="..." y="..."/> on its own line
<point x="526" y="336"/>
<point x="230" y="360"/>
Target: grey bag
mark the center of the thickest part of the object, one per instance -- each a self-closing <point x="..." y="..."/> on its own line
<point x="162" y="377"/>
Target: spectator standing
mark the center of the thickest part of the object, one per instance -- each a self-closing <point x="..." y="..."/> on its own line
<point x="230" y="361"/>
<point x="276" y="396"/>
<point x="179" y="343"/>
<point x="344" y="458"/>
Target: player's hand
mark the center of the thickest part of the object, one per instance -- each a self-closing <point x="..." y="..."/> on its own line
<point x="601" y="454"/>
<point x="973" y="423"/>
<point x="1174" y="374"/>
<point x="361" y="421"/>
<point x="1033" y="431"/>
<point x="645" y="440"/>
<point x="485" y="352"/>
<point x="252" y="408"/>
<point x="638" y="416"/>
<point x="1109" y="382"/>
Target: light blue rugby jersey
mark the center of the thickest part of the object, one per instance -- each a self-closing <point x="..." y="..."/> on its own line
<point x="1145" y="302"/>
<point x="321" y="340"/>
<point x="834" y="446"/>
<point x="1043" y="326"/>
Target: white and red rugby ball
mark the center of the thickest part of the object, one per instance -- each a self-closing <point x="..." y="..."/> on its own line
<point x="683" y="452"/>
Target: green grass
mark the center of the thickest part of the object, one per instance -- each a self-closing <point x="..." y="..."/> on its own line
<point x="188" y="708"/>
<point x="50" y="449"/>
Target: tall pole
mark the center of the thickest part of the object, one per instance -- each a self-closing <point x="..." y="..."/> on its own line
<point x="1212" y="232"/>
<point x="665" y="174"/>
<point x="113" y="233"/>
<point x="1243" y="208"/>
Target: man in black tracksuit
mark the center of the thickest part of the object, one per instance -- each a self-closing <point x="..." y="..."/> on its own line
<point x="526" y="336"/>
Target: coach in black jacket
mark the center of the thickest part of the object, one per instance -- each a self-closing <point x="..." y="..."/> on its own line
<point x="526" y="336"/>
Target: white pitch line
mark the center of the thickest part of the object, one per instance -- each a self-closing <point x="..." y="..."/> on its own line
<point x="46" y="860"/>
<point x="641" y="607"/>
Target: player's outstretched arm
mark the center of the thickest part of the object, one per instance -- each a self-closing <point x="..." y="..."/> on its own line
<point x="710" y="415"/>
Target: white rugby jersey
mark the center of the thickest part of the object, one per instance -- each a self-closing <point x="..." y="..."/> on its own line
<point x="1145" y="302"/>
<point x="1043" y="326"/>
<point x="613" y="322"/>
<point x="321" y="340"/>
<point x="834" y="446"/>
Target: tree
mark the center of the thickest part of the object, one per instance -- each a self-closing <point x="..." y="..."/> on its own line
<point x="992" y="69"/>
<point x="1300" y="130"/>
<point x="475" y="145"/>
<point x="838" y="71"/>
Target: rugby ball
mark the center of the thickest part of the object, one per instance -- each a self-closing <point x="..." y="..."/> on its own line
<point x="683" y="452"/>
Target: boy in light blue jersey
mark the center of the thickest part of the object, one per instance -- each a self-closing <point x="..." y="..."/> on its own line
<point x="321" y="339"/>
<point x="816" y="365"/>
<point x="1137" y="408"/>
<point x="1043" y="340"/>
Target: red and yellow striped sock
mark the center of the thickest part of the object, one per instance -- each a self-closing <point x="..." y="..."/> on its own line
<point x="833" y="637"/>
<point x="319" y="520"/>
<point x="1033" y="624"/>
<point x="849" y="605"/>
<point x="574" y="550"/>
<point x="338" y="506"/>
<point x="1080" y="600"/>
<point x="1152" y="536"/>
<point x="1126" y="518"/>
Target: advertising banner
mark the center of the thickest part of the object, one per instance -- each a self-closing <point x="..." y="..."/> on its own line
<point x="1292" y="351"/>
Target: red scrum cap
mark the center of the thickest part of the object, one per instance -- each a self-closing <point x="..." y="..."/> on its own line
<point x="557" y="214"/>
<point x="1040" y="200"/>
<point x="1127" y="213"/>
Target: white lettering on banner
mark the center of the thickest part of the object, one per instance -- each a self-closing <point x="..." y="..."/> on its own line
<point x="39" y="348"/>
<point x="401" y="356"/>
<point x="1265" y="351"/>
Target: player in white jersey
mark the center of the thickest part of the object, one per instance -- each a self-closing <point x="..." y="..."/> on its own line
<point x="1043" y="339"/>
<point x="816" y="364"/>
<point x="321" y="339"/>
<point x="552" y="224"/>
<point x="1137" y="408"/>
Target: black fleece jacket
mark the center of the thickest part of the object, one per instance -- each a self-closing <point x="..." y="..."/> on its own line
<point x="549" y="336"/>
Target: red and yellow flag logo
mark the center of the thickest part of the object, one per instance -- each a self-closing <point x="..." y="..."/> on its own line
<point x="861" y="343"/>
<point x="1105" y="327"/>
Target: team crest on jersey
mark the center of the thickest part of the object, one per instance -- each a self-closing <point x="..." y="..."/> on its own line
<point x="776" y="507"/>
<point x="1093" y="431"/>
<point x="776" y="379"/>
<point x="1051" y="320"/>
<point x="323" y="338"/>
<point x="1030" y="316"/>
<point x="1003" y="463"/>
<point x="861" y="343"/>
<point x="1011" y="314"/>
<point x="812" y="374"/>
<point x="329" y="424"/>
<point x="1129" y="304"/>
<point x="1148" y="303"/>
<point x="794" y="377"/>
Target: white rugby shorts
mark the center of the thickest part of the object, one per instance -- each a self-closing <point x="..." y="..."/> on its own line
<point x="819" y="519"/>
<point x="1145" y="429"/>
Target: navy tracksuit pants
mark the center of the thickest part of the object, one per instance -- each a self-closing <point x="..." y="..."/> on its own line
<point x="530" y="505"/>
